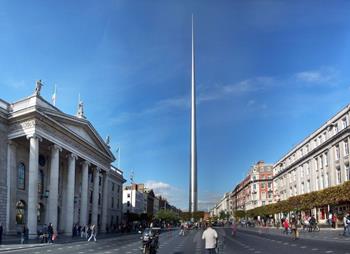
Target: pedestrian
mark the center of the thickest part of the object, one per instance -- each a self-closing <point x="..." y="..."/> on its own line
<point x="210" y="237"/>
<point x="234" y="228"/>
<point x="93" y="233"/>
<point x="182" y="231"/>
<point x="330" y="219"/>
<point x="50" y="233"/>
<point x="83" y="230"/>
<point x="24" y="235"/>
<point x="294" y="227"/>
<point x="286" y="226"/>
<point x="1" y="231"/>
<point x="334" y="221"/>
<point x="346" y="223"/>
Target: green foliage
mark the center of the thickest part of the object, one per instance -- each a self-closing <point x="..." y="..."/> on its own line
<point x="329" y="196"/>
<point x="167" y="216"/>
<point x="224" y="215"/>
<point x="240" y="214"/>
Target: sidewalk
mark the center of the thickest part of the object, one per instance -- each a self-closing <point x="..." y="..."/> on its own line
<point x="325" y="234"/>
<point x="11" y="243"/>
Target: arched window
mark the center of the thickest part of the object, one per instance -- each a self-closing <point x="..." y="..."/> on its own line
<point x="21" y="173"/>
<point x="20" y="212"/>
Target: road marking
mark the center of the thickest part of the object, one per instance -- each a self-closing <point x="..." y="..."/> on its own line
<point x="303" y="247"/>
<point x="329" y="251"/>
<point x="314" y="249"/>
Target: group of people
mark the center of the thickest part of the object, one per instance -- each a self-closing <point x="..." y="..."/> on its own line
<point x="88" y="231"/>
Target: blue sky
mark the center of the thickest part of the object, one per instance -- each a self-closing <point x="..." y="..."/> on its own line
<point x="268" y="74"/>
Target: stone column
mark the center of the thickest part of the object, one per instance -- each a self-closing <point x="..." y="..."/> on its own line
<point x="33" y="185"/>
<point x="84" y="193"/>
<point x="53" y="194"/>
<point x="11" y="186"/>
<point x="69" y="213"/>
<point x="105" y="203"/>
<point x="95" y="197"/>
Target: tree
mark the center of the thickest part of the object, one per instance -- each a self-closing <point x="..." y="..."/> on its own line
<point x="224" y="215"/>
<point x="167" y="216"/>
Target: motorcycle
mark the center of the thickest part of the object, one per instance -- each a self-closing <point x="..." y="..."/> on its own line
<point x="149" y="241"/>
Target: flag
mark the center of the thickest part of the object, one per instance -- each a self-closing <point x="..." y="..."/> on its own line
<point x="54" y="97"/>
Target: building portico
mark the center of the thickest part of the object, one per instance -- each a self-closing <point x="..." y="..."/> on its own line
<point x="57" y="167"/>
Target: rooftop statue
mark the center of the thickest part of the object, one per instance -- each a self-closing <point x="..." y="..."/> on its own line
<point x="38" y="87"/>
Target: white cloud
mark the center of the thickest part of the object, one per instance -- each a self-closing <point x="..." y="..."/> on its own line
<point x="323" y="75"/>
<point x="174" y="195"/>
<point x="158" y="186"/>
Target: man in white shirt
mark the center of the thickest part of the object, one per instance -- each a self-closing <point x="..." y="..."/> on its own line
<point x="210" y="236"/>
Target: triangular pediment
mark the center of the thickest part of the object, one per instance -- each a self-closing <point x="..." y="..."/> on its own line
<point x="82" y="129"/>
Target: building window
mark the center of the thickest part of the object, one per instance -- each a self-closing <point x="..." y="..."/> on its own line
<point x="316" y="164"/>
<point x="112" y="202"/>
<point x="301" y="169"/>
<point x="99" y="180"/>
<point x="321" y="161"/>
<point x="20" y="212"/>
<point x="338" y="176"/>
<point x="326" y="180"/>
<point x="307" y="168"/>
<point x="128" y="195"/>
<point x="325" y="159"/>
<point x="337" y="153"/>
<point x="41" y="182"/>
<point x="112" y="186"/>
<point x="335" y="128"/>
<point x="302" y="188"/>
<point x="308" y="186"/>
<point x="317" y="183"/>
<point x="91" y="195"/>
<point x="99" y="199"/>
<point x="346" y="148"/>
<point x="345" y="122"/>
<point x="21" y="173"/>
<point x="40" y="212"/>
<point x="263" y="185"/>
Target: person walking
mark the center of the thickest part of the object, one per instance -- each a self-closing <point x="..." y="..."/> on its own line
<point x="334" y="221"/>
<point x="294" y="227"/>
<point x="93" y="233"/>
<point x="1" y="231"/>
<point x="286" y="226"/>
<point x="210" y="237"/>
<point x="50" y="233"/>
<point x="345" y="222"/>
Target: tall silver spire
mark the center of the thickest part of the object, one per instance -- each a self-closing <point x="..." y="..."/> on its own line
<point x="193" y="161"/>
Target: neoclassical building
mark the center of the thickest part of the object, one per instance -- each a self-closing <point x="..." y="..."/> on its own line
<point x="321" y="160"/>
<point x="56" y="168"/>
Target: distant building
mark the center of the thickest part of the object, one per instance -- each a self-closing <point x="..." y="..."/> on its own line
<point x="133" y="199"/>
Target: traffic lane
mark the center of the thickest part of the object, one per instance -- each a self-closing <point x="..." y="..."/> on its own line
<point x="189" y="243"/>
<point x="287" y="243"/>
<point x="117" y="245"/>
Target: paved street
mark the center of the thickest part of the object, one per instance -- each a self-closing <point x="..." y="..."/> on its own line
<point x="246" y="241"/>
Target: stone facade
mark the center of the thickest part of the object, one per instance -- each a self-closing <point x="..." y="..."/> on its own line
<point x="54" y="168"/>
<point x="3" y="162"/>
